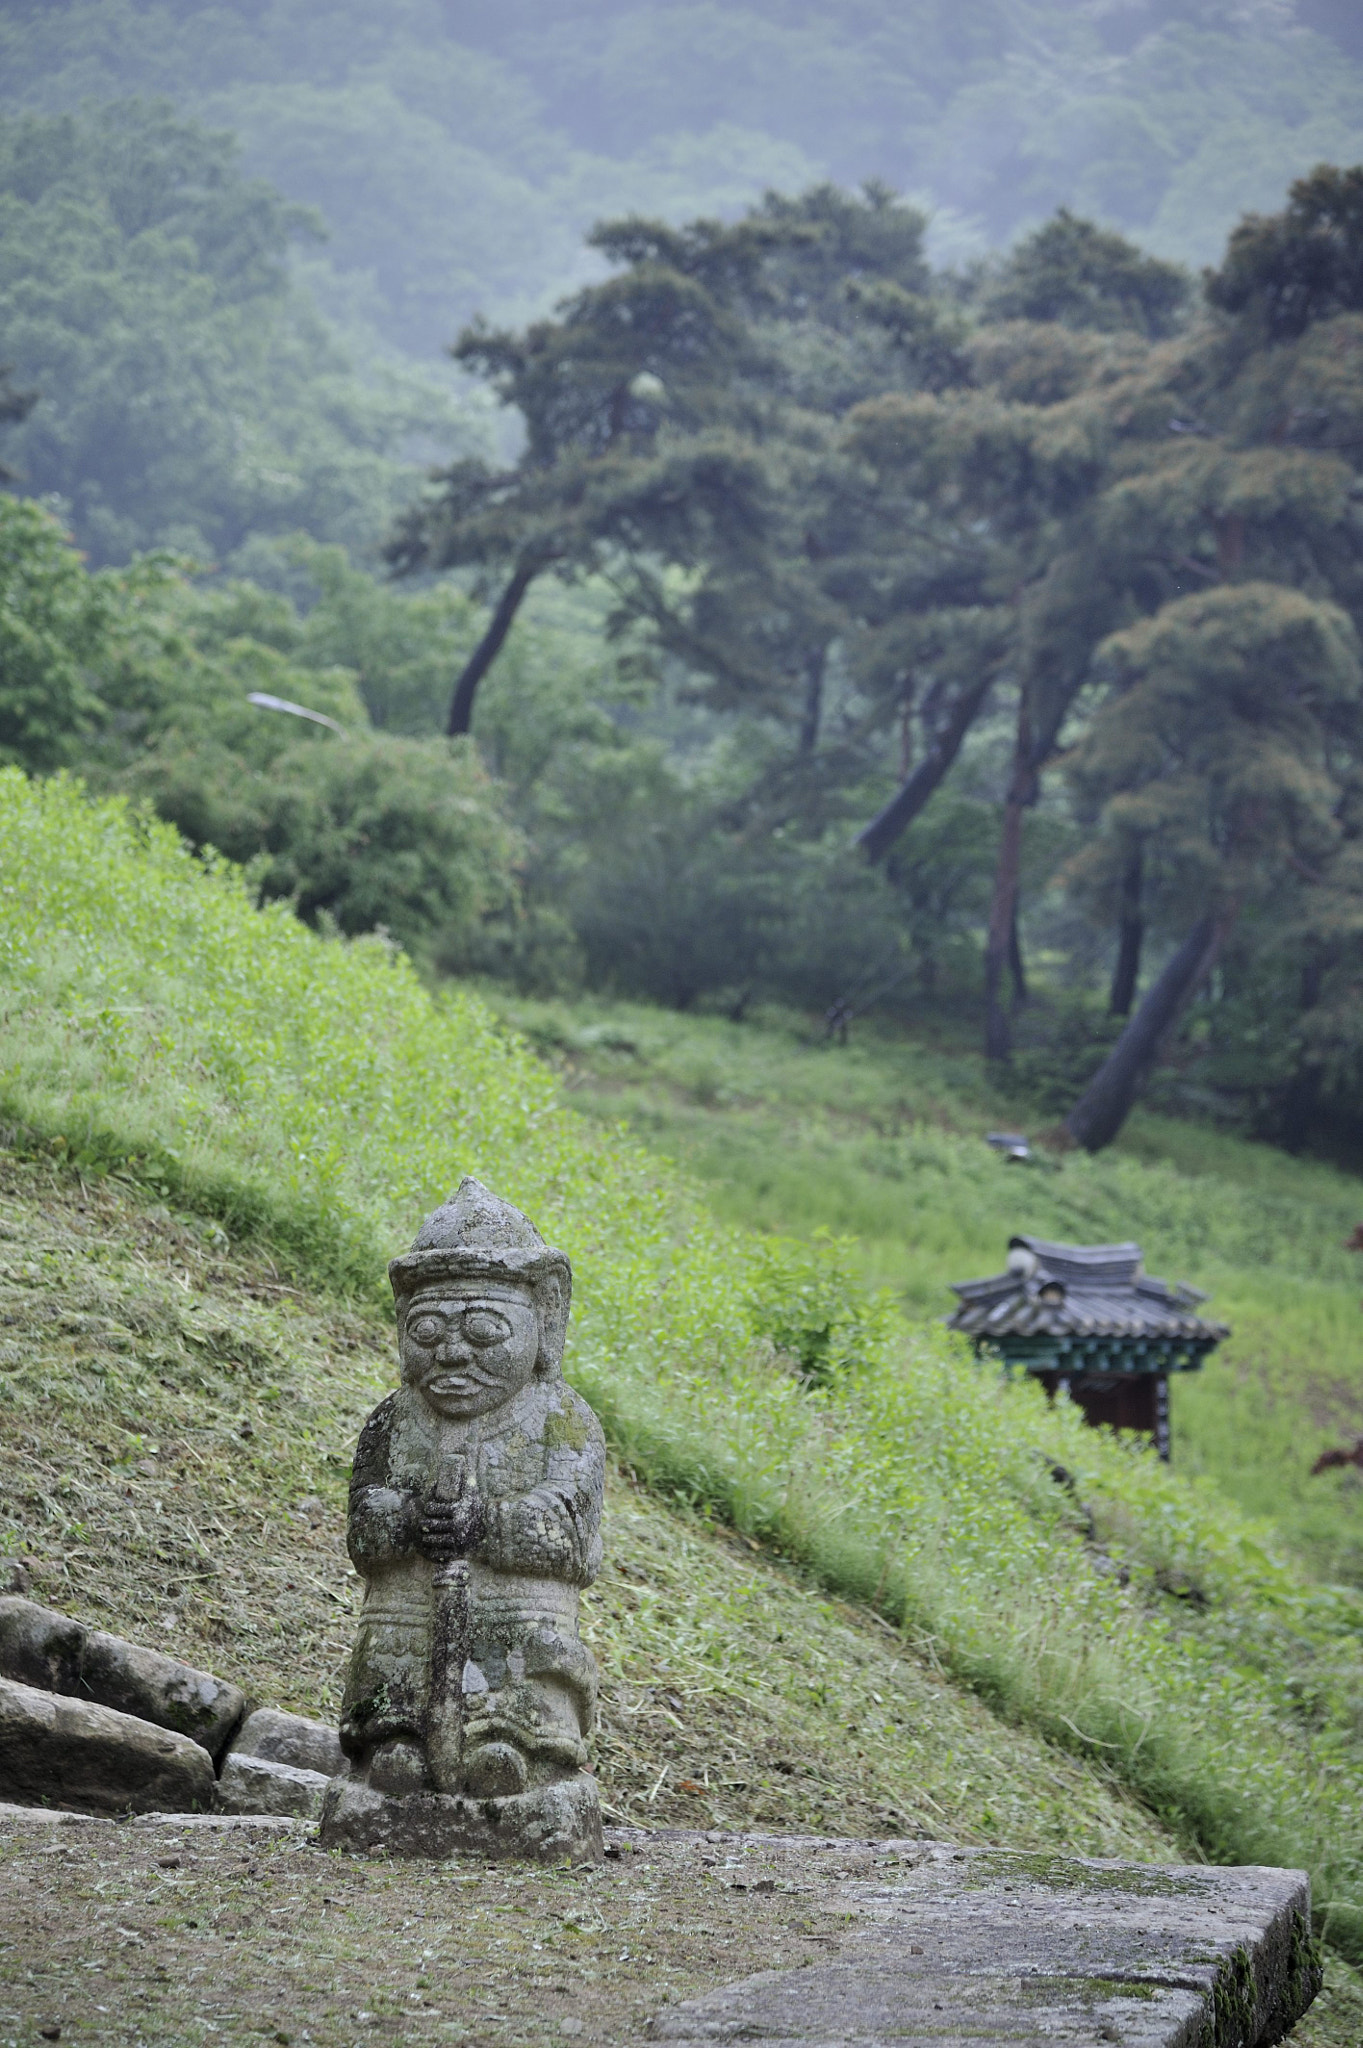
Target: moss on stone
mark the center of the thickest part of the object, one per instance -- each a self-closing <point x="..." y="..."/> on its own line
<point x="1060" y="1873"/>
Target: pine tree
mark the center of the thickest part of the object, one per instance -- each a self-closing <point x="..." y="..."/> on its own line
<point x="1254" y="501"/>
<point x="996" y="478"/>
<point x="682" y="416"/>
<point x="1215" y="753"/>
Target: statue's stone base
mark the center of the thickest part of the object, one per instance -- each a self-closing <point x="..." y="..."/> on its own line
<point x="546" y="1825"/>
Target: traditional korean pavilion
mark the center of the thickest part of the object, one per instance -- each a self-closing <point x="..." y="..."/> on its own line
<point x="1088" y="1319"/>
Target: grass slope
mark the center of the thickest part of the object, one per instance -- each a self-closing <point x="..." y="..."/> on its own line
<point x="178" y="1422"/>
<point x="881" y="1139"/>
<point x="313" y="1094"/>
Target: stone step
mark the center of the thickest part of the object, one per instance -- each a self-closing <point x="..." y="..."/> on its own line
<point x="255" y="1784"/>
<point x="73" y="1752"/>
<point x="289" y="1739"/>
<point x="952" y="1946"/>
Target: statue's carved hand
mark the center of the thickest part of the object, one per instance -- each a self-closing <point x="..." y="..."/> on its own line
<point x="452" y="1528"/>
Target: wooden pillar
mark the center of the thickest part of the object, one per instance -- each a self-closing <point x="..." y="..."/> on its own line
<point x="1162" y="1415"/>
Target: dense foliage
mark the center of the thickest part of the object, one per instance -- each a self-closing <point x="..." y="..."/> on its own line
<point x="863" y="554"/>
<point x="865" y="523"/>
<point x="810" y="558"/>
<point x="187" y="392"/>
<point x="148" y="681"/>
<point x="459" y="153"/>
<point x="159" y="1026"/>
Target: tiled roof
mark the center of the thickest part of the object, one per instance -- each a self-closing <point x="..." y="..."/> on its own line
<point x="1080" y="1290"/>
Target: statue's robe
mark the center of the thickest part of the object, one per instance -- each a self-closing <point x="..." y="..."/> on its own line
<point x="538" y="1463"/>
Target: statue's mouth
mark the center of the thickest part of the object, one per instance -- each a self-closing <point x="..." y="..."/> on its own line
<point x="455" y="1383"/>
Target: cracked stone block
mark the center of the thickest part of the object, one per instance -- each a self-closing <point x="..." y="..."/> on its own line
<point x="256" y="1785"/>
<point x="72" y="1752"/>
<point x="950" y="1947"/>
<point x="41" y="1648"/>
<point x="289" y="1739"/>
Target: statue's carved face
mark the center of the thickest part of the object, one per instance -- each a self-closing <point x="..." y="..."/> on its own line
<point x="467" y="1346"/>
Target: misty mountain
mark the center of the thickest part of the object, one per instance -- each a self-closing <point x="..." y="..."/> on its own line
<point x="458" y="149"/>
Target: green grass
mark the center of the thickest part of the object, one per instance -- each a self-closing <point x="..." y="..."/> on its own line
<point x="177" y="1422"/>
<point x="176" y="1427"/>
<point x="315" y="1096"/>
<point x="882" y="1140"/>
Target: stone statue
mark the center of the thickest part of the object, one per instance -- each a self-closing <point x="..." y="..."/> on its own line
<point x="475" y="1520"/>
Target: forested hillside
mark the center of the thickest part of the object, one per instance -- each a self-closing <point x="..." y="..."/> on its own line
<point x="460" y="151"/>
<point x="830" y="623"/>
<point x="827" y="626"/>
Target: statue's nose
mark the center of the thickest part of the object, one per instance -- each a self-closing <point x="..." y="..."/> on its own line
<point x="451" y="1349"/>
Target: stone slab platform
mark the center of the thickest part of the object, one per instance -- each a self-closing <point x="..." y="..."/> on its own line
<point x="949" y="1946"/>
<point x="675" y="1937"/>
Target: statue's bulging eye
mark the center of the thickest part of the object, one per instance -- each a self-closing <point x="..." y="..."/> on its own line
<point x="481" y="1326"/>
<point x="425" y="1330"/>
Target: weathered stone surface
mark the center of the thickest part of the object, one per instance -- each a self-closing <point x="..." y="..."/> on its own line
<point x="75" y="1753"/>
<point x="38" y="1647"/>
<point x="289" y="1739"/>
<point x="967" y="1946"/>
<point x="158" y="1688"/>
<point x="475" y="1520"/>
<point x="255" y="1784"/>
<point x="547" y="1825"/>
<point x="47" y="1816"/>
<point x="171" y="1825"/>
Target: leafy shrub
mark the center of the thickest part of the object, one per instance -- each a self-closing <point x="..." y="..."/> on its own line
<point x="807" y="1303"/>
<point x="151" y="678"/>
<point x="370" y="832"/>
<point x="53" y="621"/>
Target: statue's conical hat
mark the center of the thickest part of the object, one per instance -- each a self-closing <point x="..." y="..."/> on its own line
<point x="476" y="1235"/>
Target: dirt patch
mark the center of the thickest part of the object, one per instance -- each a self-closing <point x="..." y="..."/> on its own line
<point x="161" y="1933"/>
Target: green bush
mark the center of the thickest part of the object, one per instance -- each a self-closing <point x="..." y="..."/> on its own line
<point x="807" y="1303"/>
<point x="157" y="1025"/>
<point x="53" y="624"/>
<point x="370" y="832"/>
<point x="149" y="678"/>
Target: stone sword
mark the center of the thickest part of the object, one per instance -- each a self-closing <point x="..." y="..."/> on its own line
<point x="452" y="1641"/>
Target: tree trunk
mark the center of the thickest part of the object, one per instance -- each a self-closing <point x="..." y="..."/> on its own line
<point x="489" y="647"/>
<point x="906" y="731"/>
<point x="1106" y="1103"/>
<point x="1299" y="1106"/>
<point x="1031" y="751"/>
<point x="1016" y="968"/>
<point x="1002" y="938"/>
<point x="998" y="1036"/>
<point x="813" y="711"/>
<point x="876" y="839"/>
<point x="1130" y="935"/>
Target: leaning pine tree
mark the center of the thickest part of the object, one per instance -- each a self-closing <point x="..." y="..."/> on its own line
<point x="1224" y="765"/>
<point x="998" y="576"/>
<point x="1217" y="753"/>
